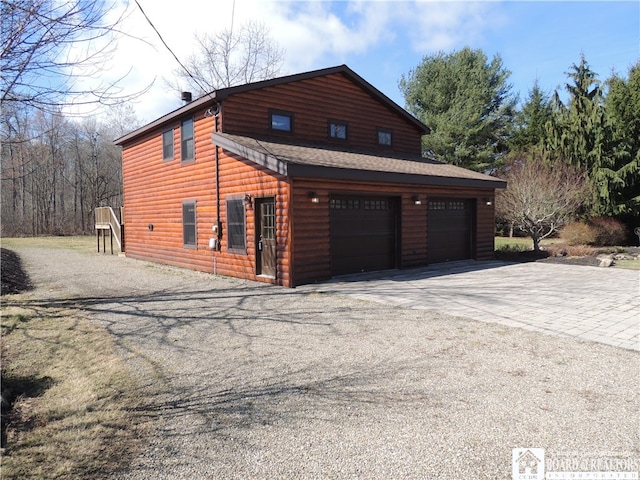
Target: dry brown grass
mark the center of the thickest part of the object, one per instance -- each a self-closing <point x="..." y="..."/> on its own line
<point x="559" y="249"/>
<point x="78" y="416"/>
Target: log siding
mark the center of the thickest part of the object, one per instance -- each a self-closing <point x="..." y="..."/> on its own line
<point x="314" y="102"/>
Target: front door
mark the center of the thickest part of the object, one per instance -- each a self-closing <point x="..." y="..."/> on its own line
<point x="266" y="237"/>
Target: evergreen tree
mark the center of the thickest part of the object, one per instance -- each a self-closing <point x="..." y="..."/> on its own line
<point x="619" y="180"/>
<point x="530" y="123"/>
<point x="601" y="133"/>
<point x="466" y="102"/>
<point x="576" y="132"/>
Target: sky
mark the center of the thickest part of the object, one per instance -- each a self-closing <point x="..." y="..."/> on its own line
<point x="383" y="40"/>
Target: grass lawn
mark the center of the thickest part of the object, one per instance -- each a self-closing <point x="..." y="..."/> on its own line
<point x="74" y="401"/>
<point x="81" y="243"/>
<point x="520" y="244"/>
<point x="627" y="264"/>
<point x="76" y="411"/>
<point x="514" y="243"/>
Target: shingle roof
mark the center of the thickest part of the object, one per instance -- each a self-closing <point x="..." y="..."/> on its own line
<point x="313" y="161"/>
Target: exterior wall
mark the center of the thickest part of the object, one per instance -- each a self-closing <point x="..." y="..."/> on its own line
<point x="237" y="178"/>
<point x="153" y="194"/>
<point x="313" y="102"/>
<point x="310" y="222"/>
<point x="154" y="191"/>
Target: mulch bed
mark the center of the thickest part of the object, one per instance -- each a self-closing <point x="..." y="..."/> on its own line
<point x="546" y="257"/>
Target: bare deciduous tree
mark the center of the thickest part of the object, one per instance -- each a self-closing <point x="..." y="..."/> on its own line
<point x="230" y="58"/>
<point x="51" y="47"/>
<point x="56" y="171"/>
<point x="540" y="198"/>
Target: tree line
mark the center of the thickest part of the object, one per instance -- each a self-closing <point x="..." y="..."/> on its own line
<point x="56" y="170"/>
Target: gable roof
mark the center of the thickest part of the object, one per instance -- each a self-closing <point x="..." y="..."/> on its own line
<point x="312" y="161"/>
<point x="223" y="93"/>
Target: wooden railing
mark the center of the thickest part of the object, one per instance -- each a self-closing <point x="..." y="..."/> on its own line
<point x="108" y="219"/>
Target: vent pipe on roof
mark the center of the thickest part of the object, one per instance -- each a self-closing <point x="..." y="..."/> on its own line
<point x="186" y="97"/>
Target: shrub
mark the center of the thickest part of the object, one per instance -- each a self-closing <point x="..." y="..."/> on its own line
<point x="580" y="251"/>
<point x="608" y="231"/>
<point x="561" y="250"/>
<point x="578" y="233"/>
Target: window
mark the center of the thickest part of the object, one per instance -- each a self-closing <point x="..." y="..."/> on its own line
<point x="459" y="205"/>
<point x="281" y="121"/>
<point x="385" y="137"/>
<point x="337" y="129"/>
<point x="377" y="205"/>
<point x="189" y="224"/>
<point x="186" y="140"/>
<point x="344" y="204"/>
<point x="236" y="225"/>
<point x="167" y="145"/>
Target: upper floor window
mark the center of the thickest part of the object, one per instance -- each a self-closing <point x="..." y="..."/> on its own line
<point x="385" y="137"/>
<point x="167" y="145"/>
<point x="337" y="129"/>
<point x="186" y="140"/>
<point x="189" y="224"/>
<point x="281" y="121"/>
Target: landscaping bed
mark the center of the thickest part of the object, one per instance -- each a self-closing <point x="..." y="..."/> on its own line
<point x="518" y="250"/>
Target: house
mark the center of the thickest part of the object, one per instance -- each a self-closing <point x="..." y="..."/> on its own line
<point x="529" y="464"/>
<point x="298" y="179"/>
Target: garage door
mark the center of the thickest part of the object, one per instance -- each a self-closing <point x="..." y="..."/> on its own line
<point x="363" y="234"/>
<point x="449" y="230"/>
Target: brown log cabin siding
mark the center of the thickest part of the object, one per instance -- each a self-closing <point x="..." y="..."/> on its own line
<point x="311" y="222"/>
<point x="313" y="102"/>
<point x="154" y="191"/>
<point x="237" y="177"/>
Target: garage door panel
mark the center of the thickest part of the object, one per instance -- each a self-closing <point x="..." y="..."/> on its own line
<point x="449" y="230"/>
<point x="363" y="234"/>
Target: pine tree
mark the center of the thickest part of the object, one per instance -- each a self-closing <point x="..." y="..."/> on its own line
<point x="530" y="123"/>
<point x="619" y="179"/>
<point x="466" y="102"/>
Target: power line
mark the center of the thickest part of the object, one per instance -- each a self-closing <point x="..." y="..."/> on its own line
<point x="206" y="90"/>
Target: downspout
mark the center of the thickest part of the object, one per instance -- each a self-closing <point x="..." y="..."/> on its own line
<point x="218" y="224"/>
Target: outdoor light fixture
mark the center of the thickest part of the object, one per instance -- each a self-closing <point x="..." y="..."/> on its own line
<point x="247" y="199"/>
<point x="313" y="196"/>
<point x="488" y="202"/>
<point x="416" y="200"/>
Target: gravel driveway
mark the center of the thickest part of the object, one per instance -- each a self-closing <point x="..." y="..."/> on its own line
<point x="248" y="381"/>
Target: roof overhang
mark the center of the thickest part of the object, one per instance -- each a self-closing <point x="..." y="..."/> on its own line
<point x="291" y="169"/>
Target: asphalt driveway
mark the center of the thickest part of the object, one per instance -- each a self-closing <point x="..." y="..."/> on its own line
<point x="250" y="381"/>
<point x="588" y="303"/>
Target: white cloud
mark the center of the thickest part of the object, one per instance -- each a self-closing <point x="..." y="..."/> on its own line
<point x="314" y="34"/>
<point x="436" y="26"/>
